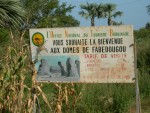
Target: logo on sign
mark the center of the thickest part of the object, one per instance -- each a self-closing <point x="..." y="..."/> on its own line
<point x="38" y="39"/>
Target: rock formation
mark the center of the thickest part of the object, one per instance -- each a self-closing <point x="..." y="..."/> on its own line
<point x="44" y="68"/>
<point x="77" y="62"/>
<point x="71" y="68"/>
<point x="62" y="68"/>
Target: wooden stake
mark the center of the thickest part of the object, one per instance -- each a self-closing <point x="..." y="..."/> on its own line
<point x="138" y="105"/>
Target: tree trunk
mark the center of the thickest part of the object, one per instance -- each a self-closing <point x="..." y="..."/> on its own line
<point x="92" y="21"/>
<point x="109" y="22"/>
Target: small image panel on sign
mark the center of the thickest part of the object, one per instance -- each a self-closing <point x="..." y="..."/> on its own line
<point x="58" y="69"/>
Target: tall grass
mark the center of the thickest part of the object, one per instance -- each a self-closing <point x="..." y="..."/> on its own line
<point x="15" y="95"/>
<point x="19" y="91"/>
<point x="144" y="66"/>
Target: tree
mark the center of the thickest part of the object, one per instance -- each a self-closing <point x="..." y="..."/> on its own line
<point x="110" y="13"/>
<point x="148" y="9"/>
<point x="100" y="11"/>
<point x="147" y="26"/>
<point x="11" y="13"/>
<point x="89" y="11"/>
<point x="48" y="13"/>
<point x="62" y="18"/>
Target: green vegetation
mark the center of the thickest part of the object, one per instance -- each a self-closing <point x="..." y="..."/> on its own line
<point x="48" y="13"/>
<point x="143" y="63"/>
<point x="19" y="93"/>
<point x="11" y="13"/>
<point x="91" y="11"/>
<point x="109" y="13"/>
<point x="94" y="10"/>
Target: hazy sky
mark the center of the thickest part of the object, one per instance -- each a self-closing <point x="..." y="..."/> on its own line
<point x="134" y="12"/>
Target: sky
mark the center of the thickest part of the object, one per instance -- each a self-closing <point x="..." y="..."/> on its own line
<point x="134" y="12"/>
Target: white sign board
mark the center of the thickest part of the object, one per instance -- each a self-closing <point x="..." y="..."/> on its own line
<point x="84" y="54"/>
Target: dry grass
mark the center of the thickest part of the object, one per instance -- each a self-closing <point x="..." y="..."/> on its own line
<point x="15" y="95"/>
<point x="18" y="97"/>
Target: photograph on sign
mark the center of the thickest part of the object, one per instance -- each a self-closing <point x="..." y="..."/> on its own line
<point x="59" y="68"/>
<point x="84" y="54"/>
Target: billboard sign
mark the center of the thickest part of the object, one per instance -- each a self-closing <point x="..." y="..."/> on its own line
<point x="84" y="54"/>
